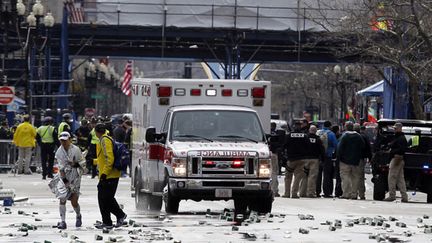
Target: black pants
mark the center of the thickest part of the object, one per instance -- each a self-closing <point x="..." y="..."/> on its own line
<point x="107" y="203"/>
<point x="329" y="170"/>
<point x="47" y="157"/>
<point x="328" y="173"/>
<point x="319" y="179"/>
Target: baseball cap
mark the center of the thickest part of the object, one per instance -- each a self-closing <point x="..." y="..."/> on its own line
<point x="64" y="136"/>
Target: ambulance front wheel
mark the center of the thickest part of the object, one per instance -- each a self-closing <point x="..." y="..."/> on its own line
<point x="171" y="203"/>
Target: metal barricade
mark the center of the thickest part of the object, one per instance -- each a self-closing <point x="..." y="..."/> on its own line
<point x="8" y="154"/>
<point x="36" y="161"/>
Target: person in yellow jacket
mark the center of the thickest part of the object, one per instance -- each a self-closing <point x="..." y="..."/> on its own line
<point x="108" y="180"/>
<point x="25" y="139"/>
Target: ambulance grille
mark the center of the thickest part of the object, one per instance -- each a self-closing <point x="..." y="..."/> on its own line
<point x="213" y="167"/>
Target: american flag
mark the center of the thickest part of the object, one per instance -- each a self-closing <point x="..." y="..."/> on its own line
<point x="76" y="11"/>
<point x="126" y="85"/>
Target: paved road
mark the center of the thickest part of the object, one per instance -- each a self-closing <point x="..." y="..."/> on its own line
<point x="193" y="225"/>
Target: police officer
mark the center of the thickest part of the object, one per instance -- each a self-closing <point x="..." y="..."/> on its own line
<point x="396" y="176"/>
<point x="65" y="124"/>
<point x="82" y="134"/>
<point x="5" y="133"/>
<point x="316" y="152"/>
<point x="92" y="141"/>
<point x="46" y="136"/>
<point x="296" y="145"/>
<point x="274" y="148"/>
<point x="414" y="141"/>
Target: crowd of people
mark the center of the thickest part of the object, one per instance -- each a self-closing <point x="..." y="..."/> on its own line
<point x="89" y="149"/>
<point x="26" y="137"/>
<point x="314" y="159"/>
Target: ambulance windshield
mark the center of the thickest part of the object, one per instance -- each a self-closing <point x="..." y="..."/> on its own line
<point x="239" y="126"/>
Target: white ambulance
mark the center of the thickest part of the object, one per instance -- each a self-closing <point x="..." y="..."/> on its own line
<point x="201" y="140"/>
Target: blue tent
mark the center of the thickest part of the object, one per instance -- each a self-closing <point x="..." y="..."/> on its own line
<point x="376" y="89"/>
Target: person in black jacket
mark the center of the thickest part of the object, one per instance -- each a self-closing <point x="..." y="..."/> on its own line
<point x="316" y="153"/>
<point x="5" y="133"/>
<point x="274" y="147"/>
<point x="396" y="176"/>
<point x="366" y="157"/>
<point x="120" y="134"/>
<point x="349" y="153"/>
<point x="297" y="150"/>
<point x="82" y="134"/>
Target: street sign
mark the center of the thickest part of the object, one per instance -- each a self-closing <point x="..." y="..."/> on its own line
<point x="7" y="94"/>
<point x="97" y="96"/>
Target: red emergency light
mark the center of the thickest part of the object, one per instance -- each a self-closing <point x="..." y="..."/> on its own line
<point x="209" y="163"/>
<point x="195" y="92"/>
<point x="227" y="92"/>
<point x="164" y="91"/>
<point x="237" y="164"/>
<point x="258" y="92"/>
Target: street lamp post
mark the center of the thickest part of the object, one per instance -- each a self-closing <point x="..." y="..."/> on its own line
<point x="342" y="82"/>
<point x="49" y="23"/>
<point x="31" y="21"/>
<point x="337" y="70"/>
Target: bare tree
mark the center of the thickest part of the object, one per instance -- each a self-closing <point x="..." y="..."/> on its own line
<point x="393" y="32"/>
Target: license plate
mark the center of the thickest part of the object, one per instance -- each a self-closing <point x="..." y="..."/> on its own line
<point x="225" y="193"/>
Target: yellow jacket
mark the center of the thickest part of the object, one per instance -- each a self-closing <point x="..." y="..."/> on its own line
<point x="25" y="135"/>
<point x="105" y="158"/>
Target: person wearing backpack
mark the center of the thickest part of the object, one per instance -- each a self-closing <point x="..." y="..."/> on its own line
<point x="325" y="174"/>
<point x="108" y="180"/>
<point x="119" y="135"/>
<point x="46" y="137"/>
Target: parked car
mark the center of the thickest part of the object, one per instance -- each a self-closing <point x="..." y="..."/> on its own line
<point x="418" y="159"/>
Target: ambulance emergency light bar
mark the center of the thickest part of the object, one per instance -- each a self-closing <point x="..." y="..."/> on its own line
<point x="166" y="91"/>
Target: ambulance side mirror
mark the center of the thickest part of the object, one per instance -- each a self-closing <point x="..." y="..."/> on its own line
<point x="150" y="136"/>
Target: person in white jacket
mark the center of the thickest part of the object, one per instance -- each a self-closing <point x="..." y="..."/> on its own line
<point x="71" y="164"/>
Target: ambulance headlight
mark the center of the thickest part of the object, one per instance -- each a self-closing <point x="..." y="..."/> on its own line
<point x="179" y="166"/>
<point x="264" y="168"/>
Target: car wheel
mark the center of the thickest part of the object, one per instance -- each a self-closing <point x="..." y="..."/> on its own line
<point x="266" y="205"/>
<point x="141" y="198"/>
<point x="171" y="203"/>
<point x="429" y="192"/>
<point x="240" y="206"/>
<point x="262" y="205"/>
